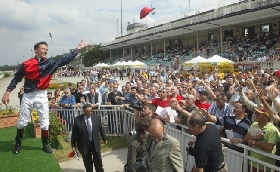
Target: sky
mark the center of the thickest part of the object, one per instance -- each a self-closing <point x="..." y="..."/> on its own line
<point x="26" y="22"/>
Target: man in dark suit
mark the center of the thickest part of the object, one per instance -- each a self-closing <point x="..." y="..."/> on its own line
<point x="85" y="134"/>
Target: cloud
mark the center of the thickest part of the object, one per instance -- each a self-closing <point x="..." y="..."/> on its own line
<point x="26" y="22"/>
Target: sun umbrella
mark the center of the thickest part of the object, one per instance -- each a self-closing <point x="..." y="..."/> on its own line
<point x="145" y="11"/>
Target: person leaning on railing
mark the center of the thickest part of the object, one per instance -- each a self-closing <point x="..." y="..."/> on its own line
<point x="273" y="95"/>
<point x="207" y="140"/>
<point x="262" y="135"/>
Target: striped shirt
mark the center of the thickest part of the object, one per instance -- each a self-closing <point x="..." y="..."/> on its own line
<point x="214" y="110"/>
<point x="239" y="129"/>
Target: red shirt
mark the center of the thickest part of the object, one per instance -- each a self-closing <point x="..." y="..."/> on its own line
<point x="178" y="97"/>
<point x="200" y="105"/>
<point x="158" y="102"/>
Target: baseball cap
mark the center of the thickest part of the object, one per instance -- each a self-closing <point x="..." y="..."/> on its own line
<point x="261" y="110"/>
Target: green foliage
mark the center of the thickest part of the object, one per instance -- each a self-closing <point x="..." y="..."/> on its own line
<point x="93" y="55"/>
<point x="6" y="67"/>
<point x="6" y="74"/>
<point x="55" y="129"/>
<point x="8" y="111"/>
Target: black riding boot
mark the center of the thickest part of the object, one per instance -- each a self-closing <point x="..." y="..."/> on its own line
<point x="45" y="141"/>
<point x="18" y="141"/>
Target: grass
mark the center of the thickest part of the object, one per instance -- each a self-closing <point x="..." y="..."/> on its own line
<point x="113" y="143"/>
<point x="31" y="157"/>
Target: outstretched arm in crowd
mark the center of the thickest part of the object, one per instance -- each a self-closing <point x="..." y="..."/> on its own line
<point x="177" y="107"/>
<point x="142" y="99"/>
<point x="210" y="118"/>
<point x="255" y="93"/>
<point x="272" y="114"/>
<point x="208" y="90"/>
<point x="250" y="105"/>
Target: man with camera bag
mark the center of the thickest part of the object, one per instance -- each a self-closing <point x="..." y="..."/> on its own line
<point x="207" y="150"/>
<point x="137" y="146"/>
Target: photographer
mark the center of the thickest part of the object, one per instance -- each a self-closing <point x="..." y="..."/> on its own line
<point x="137" y="144"/>
<point x="207" y="150"/>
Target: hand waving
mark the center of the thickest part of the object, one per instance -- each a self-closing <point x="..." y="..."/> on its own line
<point x="272" y="94"/>
<point x="83" y="44"/>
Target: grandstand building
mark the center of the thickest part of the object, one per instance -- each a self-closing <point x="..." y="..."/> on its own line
<point x="246" y="25"/>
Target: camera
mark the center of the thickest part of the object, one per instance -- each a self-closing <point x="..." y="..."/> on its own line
<point x="140" y="167"/>
<point x="190" y="149"/>
<point x="138" y="105"/>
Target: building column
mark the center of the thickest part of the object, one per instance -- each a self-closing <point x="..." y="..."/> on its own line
<point x="110" y="54"/>
<point x="221" y="40"/>
<point x="131" y="57"/>
<point x="164" y="49"/>
<point x="123" y="52"/>
<point x="151" y="49"/>
<point x="197" y="41"/>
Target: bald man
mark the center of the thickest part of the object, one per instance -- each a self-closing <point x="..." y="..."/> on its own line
<point x="163" y="151"/>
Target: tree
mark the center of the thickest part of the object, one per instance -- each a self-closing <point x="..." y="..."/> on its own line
<point x="93" y="55"/>
<point x="59" y="56"/>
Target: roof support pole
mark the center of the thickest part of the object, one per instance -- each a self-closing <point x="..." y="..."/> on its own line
<point x="197" y="40"/>
<point x="111" y="54"/>
<point x="164" y="47"/>
<point x="122" y="52"/>
<point x="151" y="49"/>
<point x="131" y="53"/>
<point x="221" y="40"/>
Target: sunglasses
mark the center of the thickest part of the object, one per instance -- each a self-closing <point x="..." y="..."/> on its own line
<point x="259" y="114"/>
<point x="81" y="88"/>
<point x="66" y="92"/>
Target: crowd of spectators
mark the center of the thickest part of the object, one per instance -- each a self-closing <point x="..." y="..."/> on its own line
<point x="243" y="108"/>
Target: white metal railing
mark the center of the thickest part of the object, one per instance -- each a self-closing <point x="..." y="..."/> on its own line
<point x="222" y="8"/>
<point x="113" y="119"/>
<point x="121" y="121"/>
<point x="236" y="161"/>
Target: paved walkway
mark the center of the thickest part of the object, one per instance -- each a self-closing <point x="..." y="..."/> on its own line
<point x="113" y="161"/>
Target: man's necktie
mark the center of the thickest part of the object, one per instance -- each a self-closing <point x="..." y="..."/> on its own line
<point x="89" y="130"/>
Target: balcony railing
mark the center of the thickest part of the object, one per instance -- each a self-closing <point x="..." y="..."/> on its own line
<point x="195" y="16"/>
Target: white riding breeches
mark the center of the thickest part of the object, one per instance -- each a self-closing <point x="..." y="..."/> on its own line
<point x="34" y="100"/>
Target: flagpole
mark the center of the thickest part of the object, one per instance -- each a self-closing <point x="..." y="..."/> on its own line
<point x="121" y="20"/>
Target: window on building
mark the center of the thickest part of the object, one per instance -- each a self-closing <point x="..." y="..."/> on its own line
<point x="265" y="28"/>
